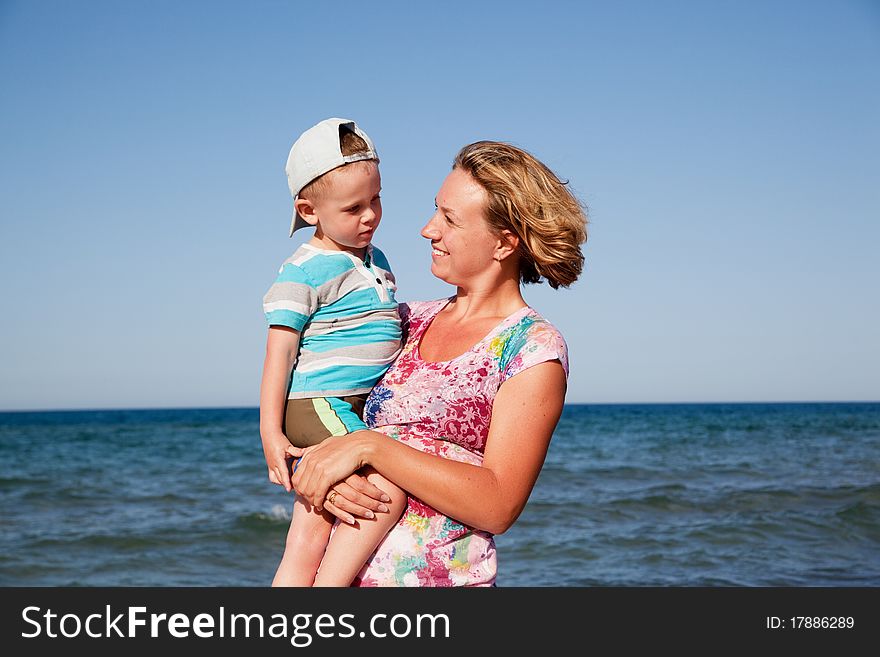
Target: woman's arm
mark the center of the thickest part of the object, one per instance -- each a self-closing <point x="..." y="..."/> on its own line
<point x="490" y="496"/>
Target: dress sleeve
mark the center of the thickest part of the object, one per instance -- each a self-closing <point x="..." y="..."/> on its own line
<point x="534" y="344"/>
<point x="292" y="299"/>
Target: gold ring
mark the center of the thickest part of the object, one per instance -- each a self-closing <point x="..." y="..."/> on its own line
<point x="331" y="496"/>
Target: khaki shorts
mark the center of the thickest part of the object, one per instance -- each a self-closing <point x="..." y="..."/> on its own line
<point x="308" y="421"/>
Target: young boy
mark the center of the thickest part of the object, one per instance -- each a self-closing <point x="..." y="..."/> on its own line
<point x="334" y="330"/>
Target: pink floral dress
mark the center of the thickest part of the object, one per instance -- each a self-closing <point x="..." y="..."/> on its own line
<point x="444" y="408"/>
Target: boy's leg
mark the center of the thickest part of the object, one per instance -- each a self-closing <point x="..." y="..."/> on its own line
<point x="306" y="541"/>
<point x="351" y="545"/>
<point x="309" y="531"/>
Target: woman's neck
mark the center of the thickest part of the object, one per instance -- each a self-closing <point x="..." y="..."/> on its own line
<point x="498" y="300"/>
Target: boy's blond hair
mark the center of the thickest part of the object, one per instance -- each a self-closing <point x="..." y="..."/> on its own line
<point x="349" y="144"/>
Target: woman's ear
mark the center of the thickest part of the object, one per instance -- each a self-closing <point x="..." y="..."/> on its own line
<point x="508" y="243"/>
<point x="306" y="210"/>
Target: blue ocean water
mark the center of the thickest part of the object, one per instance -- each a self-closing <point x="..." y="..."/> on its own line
<point x="630" y="495"/>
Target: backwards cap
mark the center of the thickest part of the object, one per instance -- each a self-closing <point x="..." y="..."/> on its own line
<point x="317" y="151"/>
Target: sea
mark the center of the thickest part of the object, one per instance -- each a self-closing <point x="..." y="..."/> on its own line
<point x="679" y="495"/>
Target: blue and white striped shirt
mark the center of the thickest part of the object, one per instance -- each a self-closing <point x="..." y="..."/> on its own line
<point x="345" y="311"/>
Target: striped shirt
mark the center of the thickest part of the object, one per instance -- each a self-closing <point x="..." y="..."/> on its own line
<point x="345" y="311"/>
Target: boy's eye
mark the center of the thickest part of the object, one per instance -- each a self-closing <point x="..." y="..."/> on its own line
<point x="354" y="208"/>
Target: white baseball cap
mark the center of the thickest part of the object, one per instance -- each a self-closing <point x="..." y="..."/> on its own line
<point x="318" y="151"/>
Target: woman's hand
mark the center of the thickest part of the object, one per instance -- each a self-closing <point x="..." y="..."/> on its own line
<point x="332" y="464"/>
<point x="355" y="497"/>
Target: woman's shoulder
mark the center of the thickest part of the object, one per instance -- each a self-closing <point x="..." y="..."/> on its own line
<point x="538" y="325"/>
<point x="528" y="324"/>
<point x="530" y="339"/>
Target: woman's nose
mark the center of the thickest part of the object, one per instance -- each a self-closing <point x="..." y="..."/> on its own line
<point x="429" y="231"/>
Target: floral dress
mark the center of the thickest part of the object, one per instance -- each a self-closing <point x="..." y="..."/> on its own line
<point x="444" y="408"/>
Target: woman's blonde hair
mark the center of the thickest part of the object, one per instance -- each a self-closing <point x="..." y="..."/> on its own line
<point x="528" y="199"/>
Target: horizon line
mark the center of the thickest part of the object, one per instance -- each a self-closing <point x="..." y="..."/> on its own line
<point x="257" y="407"/>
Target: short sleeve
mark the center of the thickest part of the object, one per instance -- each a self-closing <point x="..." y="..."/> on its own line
<point x="532" y="344"/>
<point x="403" y="310"/>
<point x="292" y="299"/>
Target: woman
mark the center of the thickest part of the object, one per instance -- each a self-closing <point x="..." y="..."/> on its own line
<point x="472" y="401"/>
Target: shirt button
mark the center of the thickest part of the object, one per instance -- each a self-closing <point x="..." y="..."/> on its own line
<point x="379" y="281"/>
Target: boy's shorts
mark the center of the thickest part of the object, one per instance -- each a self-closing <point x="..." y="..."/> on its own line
<point x="309" y="421"/>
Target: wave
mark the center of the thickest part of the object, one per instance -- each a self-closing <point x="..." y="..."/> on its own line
<point x="278" y="516"/>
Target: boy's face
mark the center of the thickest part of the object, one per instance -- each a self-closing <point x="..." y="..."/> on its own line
<point x="348" y="210"/>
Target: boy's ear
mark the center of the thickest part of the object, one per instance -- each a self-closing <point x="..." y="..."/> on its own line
<point x="306" y="210"/>
<point x="508" y="243"/>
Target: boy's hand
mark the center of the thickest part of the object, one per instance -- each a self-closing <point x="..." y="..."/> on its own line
<point x="279" y="452"/>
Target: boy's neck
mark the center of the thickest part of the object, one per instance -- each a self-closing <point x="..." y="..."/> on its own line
<point x="329" y="245"/>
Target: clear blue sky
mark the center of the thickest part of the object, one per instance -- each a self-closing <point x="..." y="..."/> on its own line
<point x="729" y="154"/>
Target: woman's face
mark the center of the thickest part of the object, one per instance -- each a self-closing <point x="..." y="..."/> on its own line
<point x="463" y="246"/>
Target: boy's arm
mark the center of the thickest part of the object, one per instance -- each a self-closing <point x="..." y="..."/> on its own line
<point x="281" y="348"/>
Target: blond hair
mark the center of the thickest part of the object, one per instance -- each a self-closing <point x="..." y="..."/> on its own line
<point x="350" y="143"/>
<point x="529" y="200"/>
